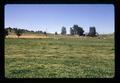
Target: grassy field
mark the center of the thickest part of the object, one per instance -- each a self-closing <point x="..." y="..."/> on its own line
<point x="63" y="58"/>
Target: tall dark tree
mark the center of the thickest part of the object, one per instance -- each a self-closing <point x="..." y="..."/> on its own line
<point x="75" y="28"/>
<point x="63" y="31"/>
<point x="92" y="32"/>
<point x="18" y="32"/>
<point x="71" y="31"/>
<point x="78" y="30"/>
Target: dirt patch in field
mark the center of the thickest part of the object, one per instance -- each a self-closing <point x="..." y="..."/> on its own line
<point x="27" y="36"/>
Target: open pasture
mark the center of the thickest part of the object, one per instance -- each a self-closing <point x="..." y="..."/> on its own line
<point x="59" y="58"/>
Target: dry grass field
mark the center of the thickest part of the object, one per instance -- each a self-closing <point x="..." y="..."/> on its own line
<point x="33" y="56"/>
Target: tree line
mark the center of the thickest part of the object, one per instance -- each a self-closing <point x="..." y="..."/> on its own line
<point x="19" y="32"/>
<point x="75" y="30"/>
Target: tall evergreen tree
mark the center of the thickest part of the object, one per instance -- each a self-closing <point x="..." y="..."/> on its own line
<point x="63" y="31"/>
<point x="92" y="31"/>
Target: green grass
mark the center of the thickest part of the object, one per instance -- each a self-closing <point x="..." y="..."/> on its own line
<point x="64" y="58"/>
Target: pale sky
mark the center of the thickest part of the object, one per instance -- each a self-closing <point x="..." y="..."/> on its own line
<point x="52" y="17"/>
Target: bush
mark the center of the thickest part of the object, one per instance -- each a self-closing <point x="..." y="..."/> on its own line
<point x="18" y="32"/>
